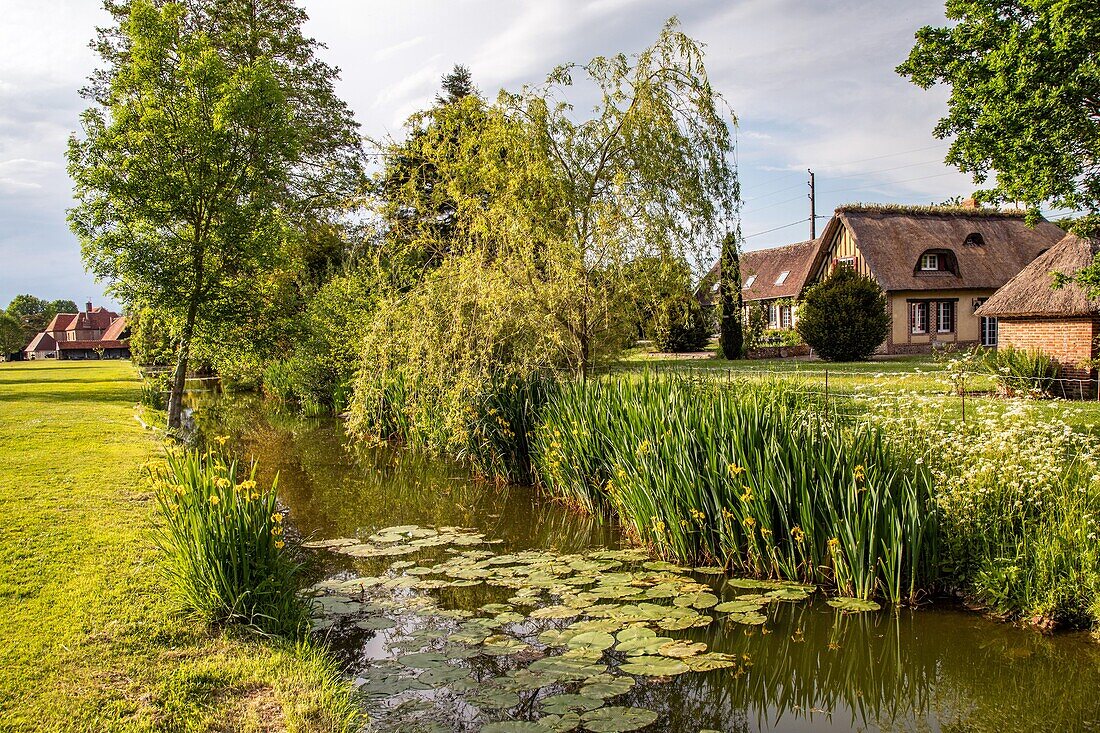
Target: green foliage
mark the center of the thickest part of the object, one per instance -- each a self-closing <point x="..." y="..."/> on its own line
<point x="755" y="325"/>
<point x="154" y="390"/>
<point x="432" y="356"/>
<point x="731" y="333"/>
<point x="843" y="317"/>
<point x="11" y="335"/>
<point x="319" y="372"/>
<point x="1018" y="505"/>
<point x="1023" y="372"/>
<point x="681" y="324"/>
<point x="562" y="203"/>
<point x="33" y="314"/>
<point x="224" y="547"/>
<point x="213" y="130"/>
<point x="151" y="342"/>
<point x="1024" y="88"/>
<point x="747" y="475"/>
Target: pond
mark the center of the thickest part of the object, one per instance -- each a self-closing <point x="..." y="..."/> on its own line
<point x="455" y="604"/>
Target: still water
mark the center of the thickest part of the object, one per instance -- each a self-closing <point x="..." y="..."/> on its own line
<point x="808" y="668"/>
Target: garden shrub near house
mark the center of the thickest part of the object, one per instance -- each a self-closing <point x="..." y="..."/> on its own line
<point x="681" y="324"/>
<point x="843" y="317"/>
<point x="1023" y="372"/>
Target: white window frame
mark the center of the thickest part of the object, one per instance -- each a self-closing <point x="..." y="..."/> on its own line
<point x="750" y="281"/>
<point x="782" y="277"/>
<point x="918" y="318"/>
<point x="773" y="316"/>
<point x="846" y="262"/>
<point x="945" y="307"/>
<point x="785" y="317"/>
<point x="929" y="258"/>
<point x="988" y="331"/>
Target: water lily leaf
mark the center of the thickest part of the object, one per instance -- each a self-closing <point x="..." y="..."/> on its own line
<point x="751" y="618"/>
<point x="502" y="646"/>
<point x="738" y="606"/>
<point x="375" y="623"/>
<point x="853" y="605"/>
<point x="635" y="632"/>
<point x="592" y="640"/>
<point x="513" y="726"/>
<point x="550" y="612"/>
<point x="441" y="676"/>
<point x="711" y="570"/>
<point x="696" y="600"/>
<point x="596" y="625"/>
<point x="787" y="594"/>
<point x="423" y="660"/>
<point x="654" y="666"/>
<point x="564" y="669"/>
<point x="617" y="719"/>
<point x="560" y="723"/>
<point x="610" y="688"/>
<point x="495" y="699"/>
<point x="682" y="649"/>
<point x="565" y="703"/>
<point x="642" y="645"/>
<point x="710" y="661"/>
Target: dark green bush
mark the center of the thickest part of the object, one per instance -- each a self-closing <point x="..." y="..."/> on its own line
<point x="843" y="317"/>
<point x="681" y="324"/>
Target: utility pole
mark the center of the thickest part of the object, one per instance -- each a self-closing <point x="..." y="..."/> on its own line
<point x="813" y="207"/>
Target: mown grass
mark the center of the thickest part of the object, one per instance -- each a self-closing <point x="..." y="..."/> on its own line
<point x="89" y="640"/>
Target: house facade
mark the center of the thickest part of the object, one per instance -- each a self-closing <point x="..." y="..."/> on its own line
<point x="91" y="334"/>
<point x="771" y="279"/>
<point x="1062" y="322"/>
<point x="937" y="265"/>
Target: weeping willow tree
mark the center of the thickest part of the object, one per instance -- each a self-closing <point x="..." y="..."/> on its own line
<point x="562" y="202"/>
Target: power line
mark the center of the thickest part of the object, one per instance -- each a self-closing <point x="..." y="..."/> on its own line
<point x="776" y="229"/>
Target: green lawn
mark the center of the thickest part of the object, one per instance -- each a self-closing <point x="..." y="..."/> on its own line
<point x="904" y="379"/>
<point x="88" y="641"/>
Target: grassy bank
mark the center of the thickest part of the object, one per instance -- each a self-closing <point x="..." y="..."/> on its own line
<point x="89" y="641"/>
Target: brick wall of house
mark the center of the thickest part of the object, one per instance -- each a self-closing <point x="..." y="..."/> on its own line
<point x="1069" y="340"/>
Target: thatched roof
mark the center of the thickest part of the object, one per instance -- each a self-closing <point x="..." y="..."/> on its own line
<point x="892" y="239"/>
<point x="1031" y="292"/>
<point x="767" y="265"/>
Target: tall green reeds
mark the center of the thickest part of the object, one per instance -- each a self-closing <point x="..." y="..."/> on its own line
<point x="747" y="475"/>
<point x="221" y="533"/>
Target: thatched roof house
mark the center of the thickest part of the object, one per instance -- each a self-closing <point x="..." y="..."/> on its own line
<point x="1032" y="293"/>
<point x="937" y="265"/>
<point x="1063" y="322"/>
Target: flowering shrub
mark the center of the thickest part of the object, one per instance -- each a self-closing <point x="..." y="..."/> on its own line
<point x="226" y="558"/>
<point x="1017" y="497"/>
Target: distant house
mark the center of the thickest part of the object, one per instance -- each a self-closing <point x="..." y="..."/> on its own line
<point x="772" y="279"/>
<point x="91" y="334"/>
<point x="1063" y="322"/>
<point x="938" y="265"/>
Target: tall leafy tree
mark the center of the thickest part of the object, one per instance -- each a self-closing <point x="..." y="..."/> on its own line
<point x="11" y="335"/>
<point x="568" y="200"/>
<point x="33" y="313"/>
<point x="731" y="334"/>
<point x="1024" y="108"/>
<point x="214" y="130"/>
<point x="419" y="211"/>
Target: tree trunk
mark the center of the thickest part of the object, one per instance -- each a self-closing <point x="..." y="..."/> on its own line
<point x="179" y="376"/>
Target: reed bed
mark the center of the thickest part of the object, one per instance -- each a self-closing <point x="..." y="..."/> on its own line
<point x="748" y="475"/>
<point x="226" y="558"/>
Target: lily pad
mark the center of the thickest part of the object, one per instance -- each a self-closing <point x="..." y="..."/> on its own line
<point x="565" y="703"/>
<point x="853" y="605"/>
<point x="617" y="719"/>
<point x="654" y="666"/>
<point x="593" y="640"/>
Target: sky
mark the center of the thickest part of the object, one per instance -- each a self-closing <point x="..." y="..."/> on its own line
<point x="812" y="84"/>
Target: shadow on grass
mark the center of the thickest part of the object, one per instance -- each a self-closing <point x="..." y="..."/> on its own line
<point x="73" y="380"/>
<point x="125" y="395"/>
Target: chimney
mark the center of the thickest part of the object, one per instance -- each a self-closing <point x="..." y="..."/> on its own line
<point x="89" y="306"/>
<point x="970" y="203"/>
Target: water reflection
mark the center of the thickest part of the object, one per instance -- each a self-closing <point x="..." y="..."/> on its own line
<point x="808" y="669"/>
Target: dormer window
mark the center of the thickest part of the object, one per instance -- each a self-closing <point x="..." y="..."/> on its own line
<point x="782" y="277"/>
<point x="932" y="261"/>
<point x="750" y="281"/>
<point x="974" y="239"/>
